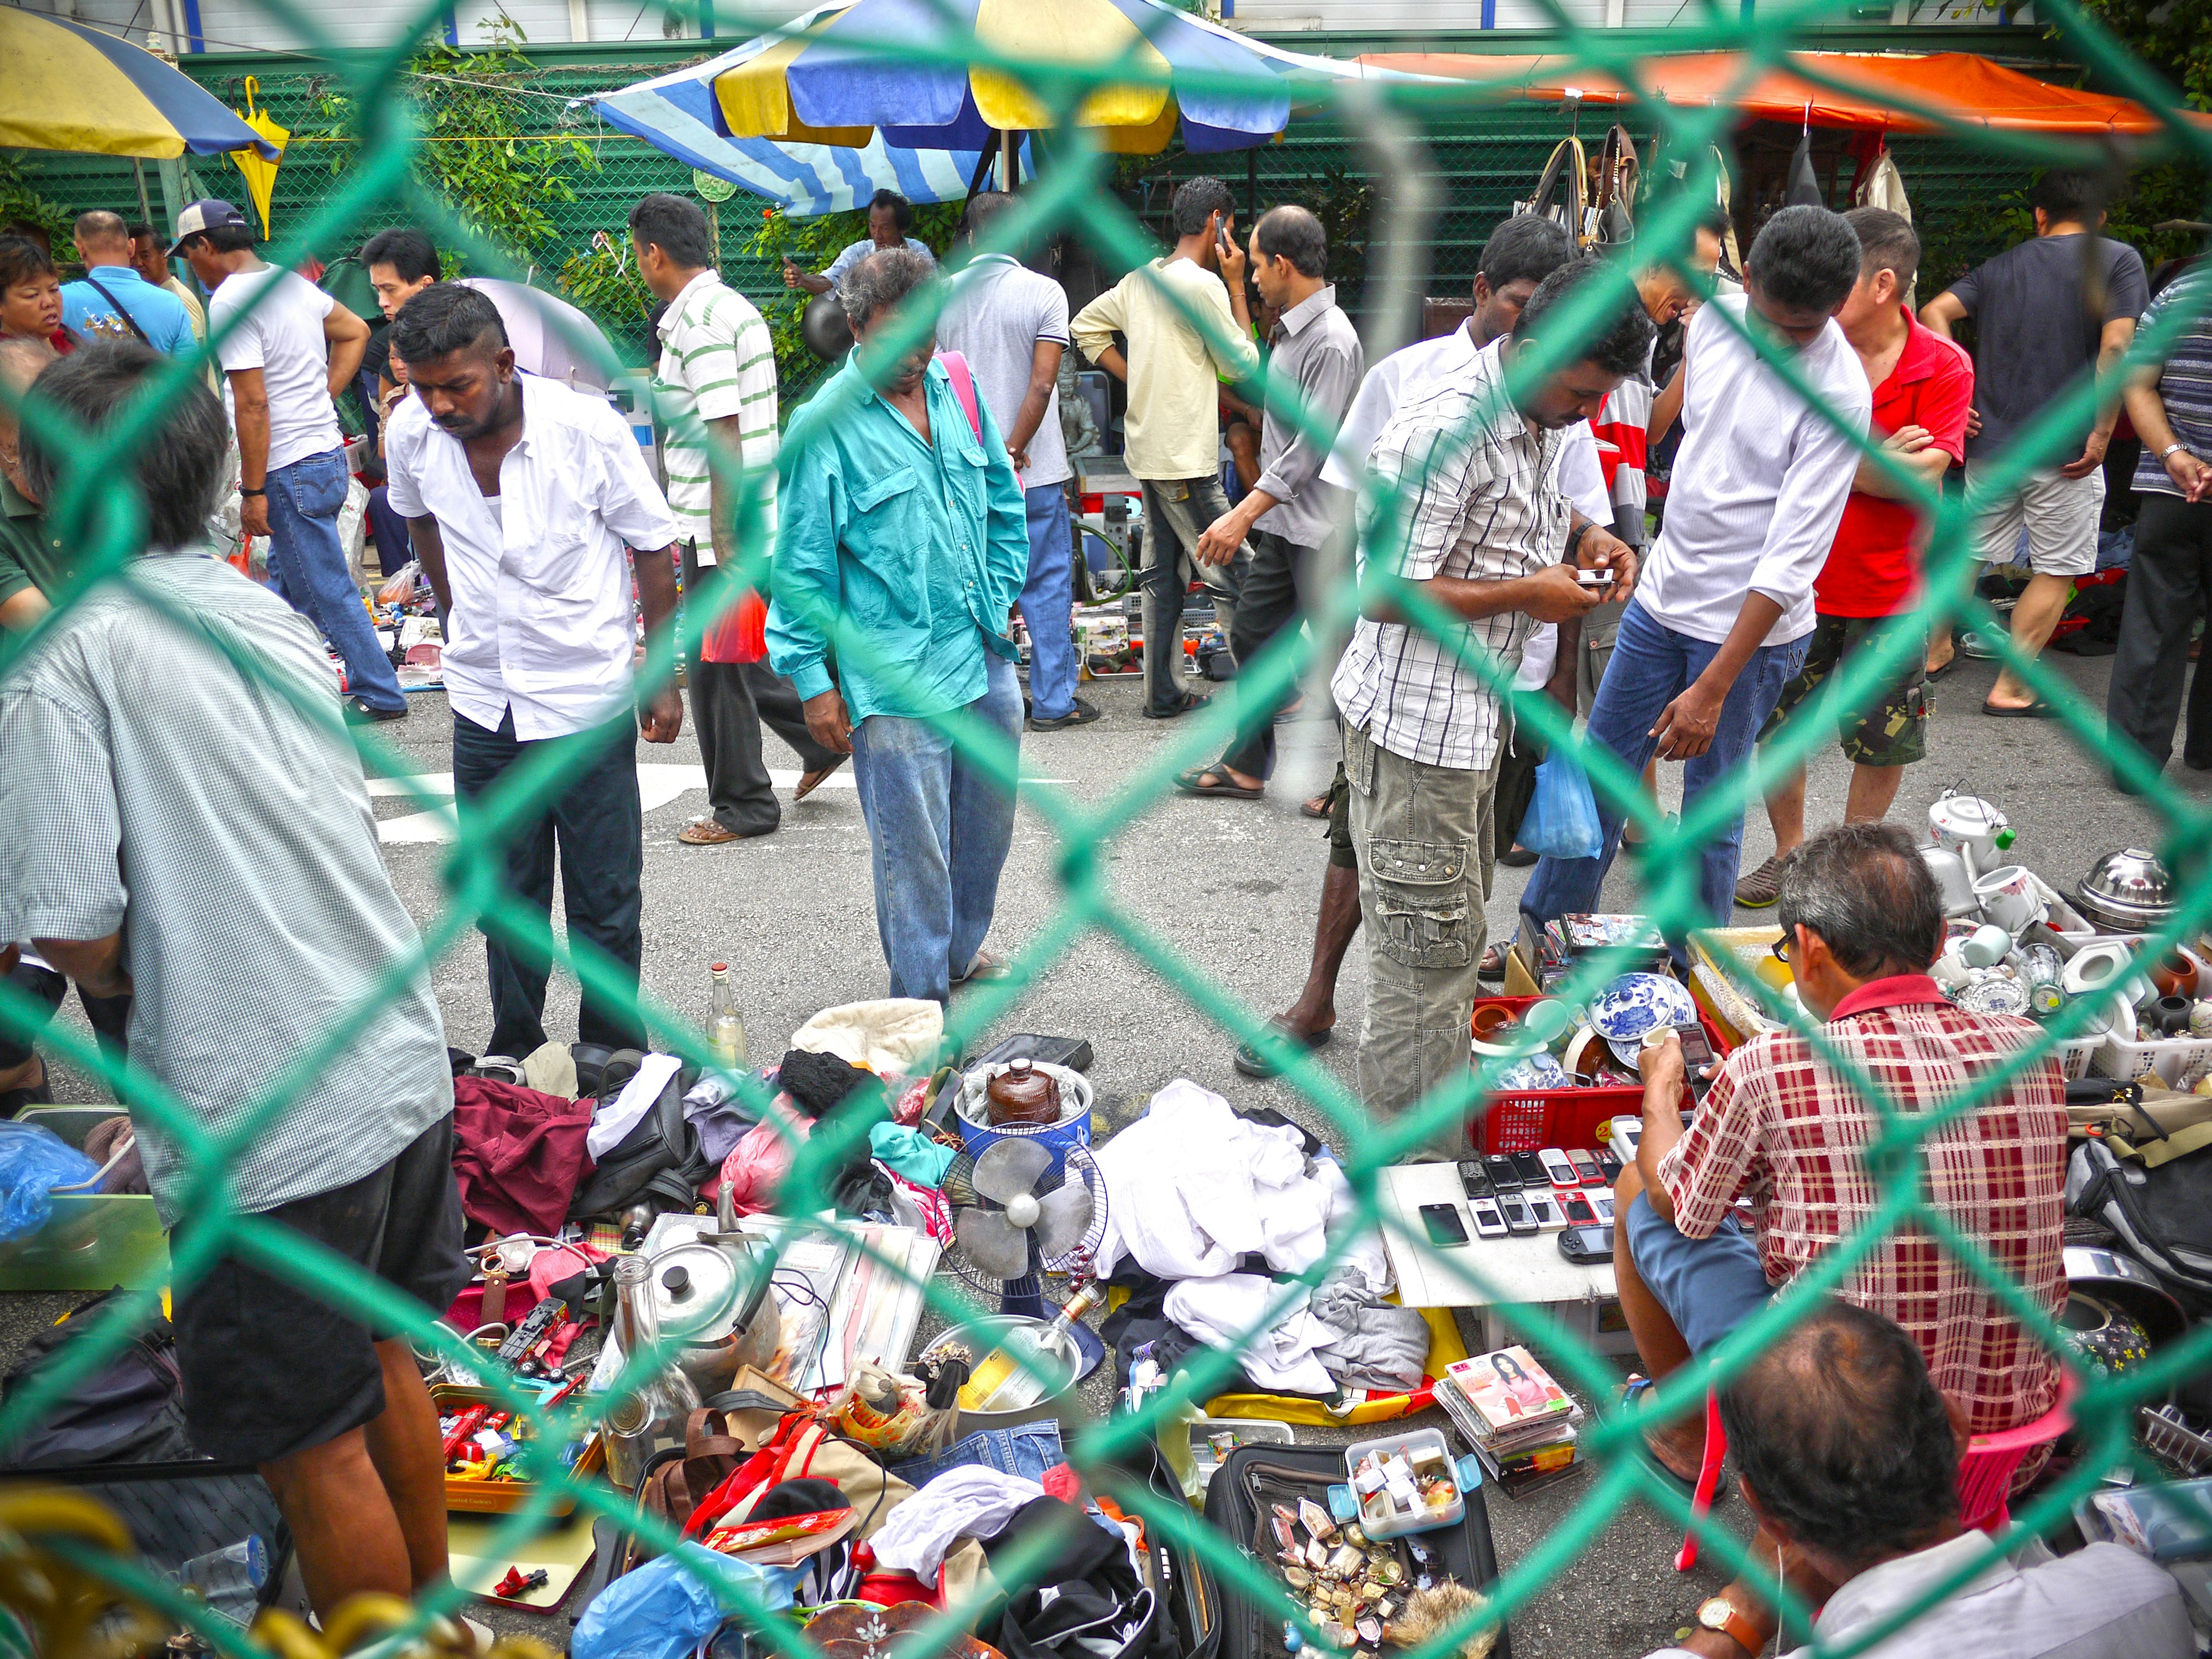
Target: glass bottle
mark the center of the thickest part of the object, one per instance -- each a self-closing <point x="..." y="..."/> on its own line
<point x="1017" y="1373"/>
<point x="652" y="1416"/>
<point x="725" y="1026"/>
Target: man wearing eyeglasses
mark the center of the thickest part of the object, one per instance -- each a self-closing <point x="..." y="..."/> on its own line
<point x="1787" y="1126"/>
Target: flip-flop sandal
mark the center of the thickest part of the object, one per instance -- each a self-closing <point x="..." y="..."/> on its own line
<point x="1188" y="701"/>
<point x="1192" y="782"/>
<point x="985" y="966"/>
<point x="1492" y="965"/>
<point x="1251" y="1062"/>
<point x="1932" y="675"/>
<point x="1317" y="807"/>
<point x="810" y="781"/>
<point x="707" y="832"/>
<point x="2035" y="711"/>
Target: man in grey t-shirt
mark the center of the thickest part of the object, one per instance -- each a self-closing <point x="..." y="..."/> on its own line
<point x="2045" y="315"/>
<point x="1011" y="323"/>
<point x="183" y="820"/>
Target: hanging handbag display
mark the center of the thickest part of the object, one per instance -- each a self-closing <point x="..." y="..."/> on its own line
<point x="1561" y="193"/>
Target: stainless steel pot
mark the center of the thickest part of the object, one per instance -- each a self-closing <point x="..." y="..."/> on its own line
<point x="2129" y="891"/>
<point x="712" y="1296"/>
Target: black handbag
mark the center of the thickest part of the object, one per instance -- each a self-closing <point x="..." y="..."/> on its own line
<point x="659" y="1162"/>
<point x="1240" y="1500"/>
<point x="2158" y="1198"/>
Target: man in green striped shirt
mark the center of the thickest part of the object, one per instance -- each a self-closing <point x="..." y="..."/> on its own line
<point x="714" y="394"/>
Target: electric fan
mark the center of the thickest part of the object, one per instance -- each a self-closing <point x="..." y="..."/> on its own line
<point x="1019" y="1212"/>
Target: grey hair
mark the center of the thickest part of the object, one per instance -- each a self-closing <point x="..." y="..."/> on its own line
<point x="881" y="281"/>
<point x="1866" y="890"/>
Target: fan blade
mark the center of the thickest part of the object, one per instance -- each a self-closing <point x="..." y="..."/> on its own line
<point x="1008" y="1168"/>
<point x="1063" y="1217"/>
<point x="959" y="1183"/>
<point x="994" y="1244"/>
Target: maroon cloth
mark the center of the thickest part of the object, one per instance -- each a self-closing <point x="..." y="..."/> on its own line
<point x="518" y="1155"/>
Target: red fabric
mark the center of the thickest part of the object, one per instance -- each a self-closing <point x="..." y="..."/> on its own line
<point x="518" y="1155"/>
<point x="1898" y="991"/>
<point x="739" y="634"/>
<point x="888" y="1589"/>
<point x="1874" y="565"/>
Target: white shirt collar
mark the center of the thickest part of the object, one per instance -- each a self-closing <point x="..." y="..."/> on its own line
<point x="705" y="279"/>
<point x="1880" y="1591"/>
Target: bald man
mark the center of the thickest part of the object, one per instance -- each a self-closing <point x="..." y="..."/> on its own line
<point x="113" y="301"/>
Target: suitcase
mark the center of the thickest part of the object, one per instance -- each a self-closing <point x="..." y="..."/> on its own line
<point x="1252" y="1480"/>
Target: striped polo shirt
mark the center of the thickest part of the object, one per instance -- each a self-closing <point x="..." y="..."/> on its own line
<point x="2185" y="382"/>
<point x="716" y="361"/>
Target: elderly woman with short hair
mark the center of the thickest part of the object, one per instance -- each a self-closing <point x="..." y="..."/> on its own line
<point x="902" y="546"/>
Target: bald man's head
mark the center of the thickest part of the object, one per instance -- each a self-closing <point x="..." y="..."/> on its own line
<point x="102" y="238"/>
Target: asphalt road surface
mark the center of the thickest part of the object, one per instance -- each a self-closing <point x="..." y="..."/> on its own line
<point x="1230" y="885"/>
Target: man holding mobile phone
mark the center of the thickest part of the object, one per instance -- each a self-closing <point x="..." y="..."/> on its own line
<point x="1186" y="334"/>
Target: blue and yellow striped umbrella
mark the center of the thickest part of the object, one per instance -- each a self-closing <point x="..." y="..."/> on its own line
<point x="843" y="76"/>
<point x="63" y="86"/>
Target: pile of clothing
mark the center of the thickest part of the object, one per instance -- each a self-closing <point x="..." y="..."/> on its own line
<point x="1212" y="1215"/>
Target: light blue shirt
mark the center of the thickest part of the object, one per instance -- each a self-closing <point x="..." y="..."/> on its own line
<point x="856" y="251"/>
<point x="919" y="550"/>
<point x="161" y="314"/>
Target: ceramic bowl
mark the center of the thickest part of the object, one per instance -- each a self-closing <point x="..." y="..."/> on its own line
<point x="1634" y="1003"/>
<point x="2129" y="891"/>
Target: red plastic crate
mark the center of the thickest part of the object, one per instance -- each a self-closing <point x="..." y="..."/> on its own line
<point x="1523" y="1121"/>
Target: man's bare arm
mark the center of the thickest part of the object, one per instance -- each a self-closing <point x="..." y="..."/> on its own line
<point x="96" y="964"/>
<point x="1045" y="379"/>
<point x="431" y="553"/>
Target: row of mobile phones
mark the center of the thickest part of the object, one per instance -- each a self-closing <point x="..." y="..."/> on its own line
<point x="1506" y="1172"/>
<point x="1519" y="1212"/>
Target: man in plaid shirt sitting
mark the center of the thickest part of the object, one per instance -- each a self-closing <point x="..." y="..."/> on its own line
<point x="1789" y="1130"/>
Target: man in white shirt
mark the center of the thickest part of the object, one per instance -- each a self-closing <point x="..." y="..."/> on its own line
<point x="1010" y="325"/>
<point x="1849" y="1460"/>
<point x="1466" y="511"/>
<point x="1522" y="251"/>
<point x="1172" y="432"/>
<point x="292" y="350"/>
<point x="890" y="215"/>
<point x="1720" y="621"/>
<point x="715" y="395"/>
<point x="520" y="495"/>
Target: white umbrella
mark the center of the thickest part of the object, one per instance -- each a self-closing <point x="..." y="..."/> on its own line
<point x="550" y="337"/>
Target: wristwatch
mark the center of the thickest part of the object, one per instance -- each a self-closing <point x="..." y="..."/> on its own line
<point x="1719" y="1614"/>
<point x="1575" y="540"/>
<point x="243" y="491"/>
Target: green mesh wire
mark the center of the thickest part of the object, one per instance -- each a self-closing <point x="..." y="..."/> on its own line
<point x="1404" y="133"/>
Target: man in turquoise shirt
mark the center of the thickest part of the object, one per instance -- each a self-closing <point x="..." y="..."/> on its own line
<point x="902" y="543"/>
<point x="112" y="301"/>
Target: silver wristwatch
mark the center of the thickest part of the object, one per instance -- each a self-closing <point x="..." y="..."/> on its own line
<point x="2171" y="449"/>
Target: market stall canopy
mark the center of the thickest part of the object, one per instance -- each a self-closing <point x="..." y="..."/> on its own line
<point x="894" y="66"/>
<point x="63" y="86"/>
<point x="676" y="113"/>
<point x="1887" y="89"/>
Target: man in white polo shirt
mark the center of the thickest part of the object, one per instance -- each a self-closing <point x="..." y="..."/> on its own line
<point x="1720" y="622"/>
<point x="519" y="495"/>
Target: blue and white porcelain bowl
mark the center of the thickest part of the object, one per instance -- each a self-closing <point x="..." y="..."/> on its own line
<point x="1634" y="1003"/>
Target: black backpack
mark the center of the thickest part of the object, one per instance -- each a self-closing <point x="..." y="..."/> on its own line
<point x="659" y="1163"/>
<point x="2158" y="1198"/>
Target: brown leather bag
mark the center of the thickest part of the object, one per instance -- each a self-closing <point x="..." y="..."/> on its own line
<point x="673" y="1490"/>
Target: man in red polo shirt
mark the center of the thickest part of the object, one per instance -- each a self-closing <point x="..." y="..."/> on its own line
<point x="1924" y="385"/>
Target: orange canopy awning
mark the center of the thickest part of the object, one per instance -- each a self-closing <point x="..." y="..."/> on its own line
<point x="1887" y="89"/>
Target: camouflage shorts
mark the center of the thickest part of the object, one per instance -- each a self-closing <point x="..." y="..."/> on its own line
<point x="1891" y="731"/>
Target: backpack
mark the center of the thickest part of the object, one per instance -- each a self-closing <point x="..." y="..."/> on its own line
<point x="2158" y="1198"/>
<point x="659" y="1162"/>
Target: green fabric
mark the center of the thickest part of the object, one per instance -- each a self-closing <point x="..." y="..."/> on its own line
<point x="29" y="557"/>
<point x="911" y="1152"/>
<point x="921" y="549"/>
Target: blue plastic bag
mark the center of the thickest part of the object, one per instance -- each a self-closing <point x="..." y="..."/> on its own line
<point x="666" y="1607"/>
<point x="34" y="1162"/>
<point x="1561" y="822"/>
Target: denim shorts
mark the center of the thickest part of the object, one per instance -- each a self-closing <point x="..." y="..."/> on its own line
<point x="1708" y="1286"/>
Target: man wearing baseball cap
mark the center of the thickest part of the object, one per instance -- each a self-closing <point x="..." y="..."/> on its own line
<point x="289" y="348"/>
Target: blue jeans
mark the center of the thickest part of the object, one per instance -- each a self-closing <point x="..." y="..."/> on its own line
<point x="938" y="830"/>
<point x="1651" y="666"/>
<point x="1027" y="1450"/>
<point x="1048" y="601"/>
<point x="310" y="567"/>
<point x="596" y="827"/>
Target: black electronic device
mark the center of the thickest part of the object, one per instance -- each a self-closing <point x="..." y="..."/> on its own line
<point x="1530" y="1169"/>
<point x="1474" y="1181"/>
<point x="1443" y="1223"/>
<point x="1587" y="1247"/>
<point x="1519" y="1221"/>
<point x="1608" y="1166"/>
<point x="1502" y="1175"/>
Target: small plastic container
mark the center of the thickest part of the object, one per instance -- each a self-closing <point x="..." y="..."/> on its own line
<point x="1426" y="1455"/>
<point x="1213" y="1439"/>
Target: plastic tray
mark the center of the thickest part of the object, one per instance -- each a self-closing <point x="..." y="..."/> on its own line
<point x="91" y="1243"/>
<point x="1414" y="1444"/>
<point x="502" y="1497"/>
<point x="2166" y="1058"/>
<point x="1241" y="1432"/>
<point x="1524" y="1120"/>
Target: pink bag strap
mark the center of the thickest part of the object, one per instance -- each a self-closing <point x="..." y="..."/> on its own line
<point x="964" y="388"/>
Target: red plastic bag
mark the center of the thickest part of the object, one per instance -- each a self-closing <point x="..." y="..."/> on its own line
<point x="739" y="634"/>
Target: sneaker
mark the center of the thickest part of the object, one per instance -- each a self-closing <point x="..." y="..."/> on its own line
<point x="1082" y="714"/>
<point x="1762" y="887"/>
<point x="358" y="712"/>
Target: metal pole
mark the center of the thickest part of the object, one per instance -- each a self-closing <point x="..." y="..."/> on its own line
<point x="145" y="207"/>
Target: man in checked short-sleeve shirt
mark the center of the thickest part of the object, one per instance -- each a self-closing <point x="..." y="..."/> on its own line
<point x="1470" y="514"/>
<point x="715" y="387"/>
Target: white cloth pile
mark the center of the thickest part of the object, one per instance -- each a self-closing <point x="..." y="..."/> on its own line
<point x="1192" y="1188"/>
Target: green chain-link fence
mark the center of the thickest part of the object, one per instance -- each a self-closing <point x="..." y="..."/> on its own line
<point x="1491" y="158"/>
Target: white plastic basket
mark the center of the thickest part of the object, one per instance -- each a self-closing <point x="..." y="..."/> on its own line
<point x="2166" y="1058"/>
